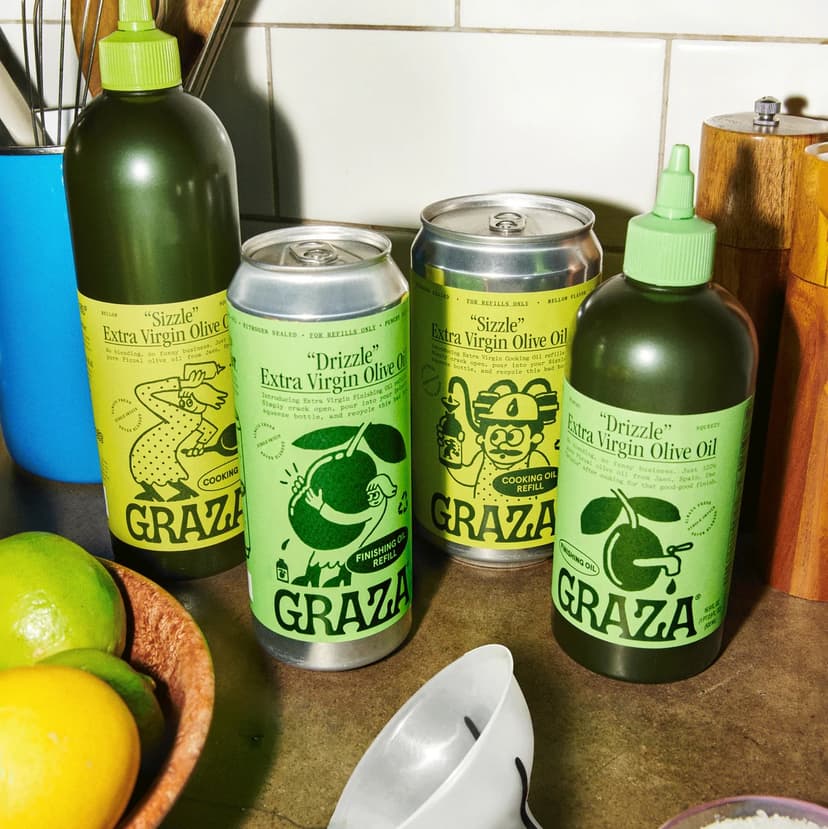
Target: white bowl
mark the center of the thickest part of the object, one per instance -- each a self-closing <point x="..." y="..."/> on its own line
<point x="458" y="753"/>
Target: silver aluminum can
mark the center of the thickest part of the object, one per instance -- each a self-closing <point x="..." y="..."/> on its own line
<point x="319" y="331"/>
<point x="496" y="281"/>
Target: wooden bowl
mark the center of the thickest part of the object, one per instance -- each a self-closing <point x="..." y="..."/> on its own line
<point x="165" y="642"/>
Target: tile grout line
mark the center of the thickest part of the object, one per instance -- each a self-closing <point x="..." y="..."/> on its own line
<point x="458" y="28"/>
<point x="665" y="104"/>
<point x="271" y="112"/>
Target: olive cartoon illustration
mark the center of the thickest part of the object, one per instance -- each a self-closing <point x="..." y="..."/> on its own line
<point x="633" y="553"/>
<point x="340" y="501"/>
<point x="507" y="425"/>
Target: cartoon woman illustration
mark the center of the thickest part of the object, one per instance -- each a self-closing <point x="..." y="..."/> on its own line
<point x="180" y="404"/>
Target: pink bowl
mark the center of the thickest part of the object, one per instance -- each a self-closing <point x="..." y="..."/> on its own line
<point x="699" y="817"/>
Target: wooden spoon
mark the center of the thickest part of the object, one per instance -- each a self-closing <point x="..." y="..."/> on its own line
<point x="199" y="25"/>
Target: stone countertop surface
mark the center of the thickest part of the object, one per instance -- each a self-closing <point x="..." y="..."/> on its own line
<point x="608" y="754"/>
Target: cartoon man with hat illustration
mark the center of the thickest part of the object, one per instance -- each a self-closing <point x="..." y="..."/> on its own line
<point x="509" y="428"/>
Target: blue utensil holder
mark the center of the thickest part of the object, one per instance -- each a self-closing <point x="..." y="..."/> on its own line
<point x="45" y="405"/>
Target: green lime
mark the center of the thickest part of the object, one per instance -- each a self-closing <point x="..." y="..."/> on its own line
<point x="55" y="596"/>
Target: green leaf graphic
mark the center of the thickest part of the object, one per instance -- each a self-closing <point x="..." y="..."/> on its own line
<point x="599" y="515"/>
<point x="655" y="509"/>
<point x="326" y="438"/>
<point x="386" y="442"/>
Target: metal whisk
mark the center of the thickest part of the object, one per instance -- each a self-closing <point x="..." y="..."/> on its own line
<point x="47" y="108"/>
<point x="54" y="109"/>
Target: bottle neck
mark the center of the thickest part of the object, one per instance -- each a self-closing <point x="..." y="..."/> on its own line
<point x="641" y="285"/>
<point x="142" y="93"/>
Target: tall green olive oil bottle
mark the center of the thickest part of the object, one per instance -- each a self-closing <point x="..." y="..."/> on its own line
<point x="655" y="419"/>
<point x="150" y="181"/>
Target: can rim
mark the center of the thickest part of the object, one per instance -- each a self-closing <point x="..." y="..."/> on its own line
<point x="320" y="233"/>
<point x="505" y="201"/>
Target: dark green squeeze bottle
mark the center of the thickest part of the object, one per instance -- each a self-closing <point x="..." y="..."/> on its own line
<point x="150" y="181"/>
<point x="655" y="419"/>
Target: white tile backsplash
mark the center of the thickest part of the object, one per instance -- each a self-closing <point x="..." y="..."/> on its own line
<point x="364" y="111"/>
<point x="745" y="18"/>
<point x="238" y="92"/>
<point x="710" y="78"/>
<point x="408" y="118"/>
<point x="353" y="12"/>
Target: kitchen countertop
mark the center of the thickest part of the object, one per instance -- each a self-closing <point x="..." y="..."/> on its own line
<point x="608" y="754"/>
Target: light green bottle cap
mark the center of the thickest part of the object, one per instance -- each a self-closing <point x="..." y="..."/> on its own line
<point x="138" y="56"/>
<point x="671" y="246"/>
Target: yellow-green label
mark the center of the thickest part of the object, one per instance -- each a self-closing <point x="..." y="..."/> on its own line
<point x="487" y="370"/>
<point x="323" y="412"/>
<point x="647" y="518"/>
<point x="163" y="407"/>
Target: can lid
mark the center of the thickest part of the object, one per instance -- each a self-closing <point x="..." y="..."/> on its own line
<point x="315" y="247"/>
<point x="320" y="273"/>
<point x="671" y="246"/>
<point x="503" y="218"/>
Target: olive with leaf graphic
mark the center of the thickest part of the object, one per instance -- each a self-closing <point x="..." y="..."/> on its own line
<point x="345" y="476"/>
<point x="633" y="553"/>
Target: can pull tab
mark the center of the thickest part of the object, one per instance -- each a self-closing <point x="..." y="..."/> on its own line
<point x="507" y="222"/>
<point x="314" y="253"/>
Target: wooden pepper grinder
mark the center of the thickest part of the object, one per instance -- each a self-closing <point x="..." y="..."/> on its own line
<point x="748" y="167"/>
<point x="793" y="519"/>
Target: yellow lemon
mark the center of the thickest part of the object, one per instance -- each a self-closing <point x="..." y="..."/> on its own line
<point x="54" y="596"/>
<point x="137" y="690"/>
<point x="69" y="750"/>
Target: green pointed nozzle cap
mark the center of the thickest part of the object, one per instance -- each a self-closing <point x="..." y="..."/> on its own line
<point x="671" y="246"/>
<point x="138" y="56"/>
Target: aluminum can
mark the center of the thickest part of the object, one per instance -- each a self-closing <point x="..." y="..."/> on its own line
<point x="496" y="282"/>
<point x="319" y="331"/>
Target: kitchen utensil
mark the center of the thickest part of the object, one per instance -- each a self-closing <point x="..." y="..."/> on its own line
<point x="794" y="496"/>
<point x="458" y="753"/>
<point x="747" y="177"/>
<point x="90" y="20"/>
<point x="15" y="110"/>
<point x="45" y="408"/>
<point x="52" y="104"/>
<point x="200" y="26"/>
